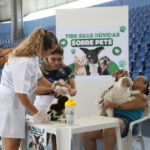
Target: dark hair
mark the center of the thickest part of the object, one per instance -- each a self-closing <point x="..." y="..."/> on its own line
<point x="49" y="40"/>
<point x="146" y="90"/>
<point x="58" y="50"/>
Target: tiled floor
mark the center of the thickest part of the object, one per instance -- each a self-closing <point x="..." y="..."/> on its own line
<point x="135" y="146"/>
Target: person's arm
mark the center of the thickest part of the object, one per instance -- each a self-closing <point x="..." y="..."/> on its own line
<point x="27" y="103"/>
<point x="50" y="86"/>
<point x="44" y="82"/>
<point x="72" y="88"/>
<point x="43" y="86"/>
<point x="140" y="101"/>
<point x="42" y="90"/>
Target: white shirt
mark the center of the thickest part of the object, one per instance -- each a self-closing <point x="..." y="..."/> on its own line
<point x="21" y="74"/>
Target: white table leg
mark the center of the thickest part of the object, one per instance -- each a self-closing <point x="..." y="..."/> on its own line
<point x="63" y="139"/>
<point x="23" y="144"/>
<point x="119" y="143"/>
<point x="77" y="142"/>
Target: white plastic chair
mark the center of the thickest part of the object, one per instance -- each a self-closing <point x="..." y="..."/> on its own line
<point x="127" y="141"/>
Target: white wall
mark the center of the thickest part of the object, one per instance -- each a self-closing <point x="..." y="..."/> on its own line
<point x="87" y="94"/>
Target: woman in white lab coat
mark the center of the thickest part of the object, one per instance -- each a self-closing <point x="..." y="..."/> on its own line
<point x="20" y="76"/>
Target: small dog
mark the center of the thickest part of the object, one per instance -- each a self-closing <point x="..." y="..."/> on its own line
<point x="79" y="69"/>
<point x="56" y="109"/>
<point x="117" y="75"/>
<point x="92" y="60"/>
<point x="119" y="94"/>
<point x="104" y="63"/>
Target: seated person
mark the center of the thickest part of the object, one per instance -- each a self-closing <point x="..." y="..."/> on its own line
<point x="125" y="113"/>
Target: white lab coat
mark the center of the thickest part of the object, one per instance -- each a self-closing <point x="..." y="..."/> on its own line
<point x="19" y="75"/>
<point x="43" y="101"/>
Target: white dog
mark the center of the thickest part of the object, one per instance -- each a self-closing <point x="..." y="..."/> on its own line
<point x="119" y="94"/>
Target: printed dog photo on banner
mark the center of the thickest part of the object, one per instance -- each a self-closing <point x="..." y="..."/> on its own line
<point x="93" y="63"/>
<point x="36" y="138"/>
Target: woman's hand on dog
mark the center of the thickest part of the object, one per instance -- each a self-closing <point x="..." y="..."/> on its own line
<point x="108" y="104"/>
<point x="72" y="91"/>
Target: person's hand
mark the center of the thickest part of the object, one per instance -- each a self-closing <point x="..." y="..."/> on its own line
<point x="67" y="86"/>
<point x="107" y="104"/>
<point x="61" y="90"/>
<point x="41" y="117"/>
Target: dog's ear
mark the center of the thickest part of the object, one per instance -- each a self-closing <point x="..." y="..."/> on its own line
<point x="115" y="74"/>
<point x="85" y="50"/>
<point x="98" y="49"/>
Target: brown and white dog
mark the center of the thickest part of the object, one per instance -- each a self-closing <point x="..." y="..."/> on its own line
<point x="119" y="94"/>
<point x="117" y="75"/>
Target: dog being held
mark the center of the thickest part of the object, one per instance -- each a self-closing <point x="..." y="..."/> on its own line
<point x="92" y="60"/>
<point x="104" y="63"/>
<point x="119" y="94"/>
<point x="117" y="75"/>
<point x="56" y="109"/>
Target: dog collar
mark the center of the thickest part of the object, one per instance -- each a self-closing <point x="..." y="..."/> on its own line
<point x="56" y="94"/>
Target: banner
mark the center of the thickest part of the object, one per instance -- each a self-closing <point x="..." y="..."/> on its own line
<point x="93" y="51"/>
<point x="37" y="137"/>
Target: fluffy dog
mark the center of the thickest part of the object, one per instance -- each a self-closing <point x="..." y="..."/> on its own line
<point x="56" y="109"/>
<point x="104" y="63"/>
<point x="92" y="59"/>
<point x="119" y="94"/>
<point x="117" y="75"/>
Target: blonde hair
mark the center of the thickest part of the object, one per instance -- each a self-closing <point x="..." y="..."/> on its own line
<point x="33" y="45"/>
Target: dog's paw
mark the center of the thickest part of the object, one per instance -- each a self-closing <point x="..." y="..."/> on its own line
<point x="135" y="92"/>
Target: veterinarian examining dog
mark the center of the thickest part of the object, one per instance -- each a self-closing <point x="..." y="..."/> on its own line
<point x="20" y="76"/>
<point x="125" y="113"/>
<point x="54" y="69"/>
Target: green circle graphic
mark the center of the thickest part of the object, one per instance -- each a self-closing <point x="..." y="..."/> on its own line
<point x="63" y="42"/>
<point x="116" y="51"/>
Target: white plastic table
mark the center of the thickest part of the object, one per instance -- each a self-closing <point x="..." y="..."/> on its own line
<point x="83" y="123"/>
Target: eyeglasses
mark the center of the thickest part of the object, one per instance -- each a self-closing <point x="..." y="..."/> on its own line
<point x="56" y="59"/>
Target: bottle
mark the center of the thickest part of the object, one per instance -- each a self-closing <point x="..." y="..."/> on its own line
<point x="70" y="110"/>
